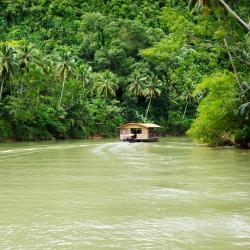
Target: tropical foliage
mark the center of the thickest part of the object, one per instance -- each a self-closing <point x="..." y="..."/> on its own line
<point x="78" y="68"/>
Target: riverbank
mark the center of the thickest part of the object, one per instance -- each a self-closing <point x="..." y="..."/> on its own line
<point x="99" y="137"/>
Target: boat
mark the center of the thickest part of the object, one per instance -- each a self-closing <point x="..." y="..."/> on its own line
<point x="139" y="132"/>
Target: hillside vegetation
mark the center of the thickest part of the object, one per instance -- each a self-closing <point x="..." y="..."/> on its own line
<point x="79" y="68"/>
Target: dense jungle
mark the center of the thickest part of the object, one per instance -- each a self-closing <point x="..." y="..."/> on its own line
<point x="79" y="68"/>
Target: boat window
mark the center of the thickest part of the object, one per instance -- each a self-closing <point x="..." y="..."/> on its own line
<point x="136" y="130"/>
<point x="125" y="131"/>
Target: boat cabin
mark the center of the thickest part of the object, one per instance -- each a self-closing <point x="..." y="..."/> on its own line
<point x="138" y="132"/>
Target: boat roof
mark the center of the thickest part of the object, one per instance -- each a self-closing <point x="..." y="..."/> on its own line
<point x="144" y="125"/>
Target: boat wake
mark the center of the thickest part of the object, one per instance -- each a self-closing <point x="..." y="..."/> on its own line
<point x="7" y="153"/>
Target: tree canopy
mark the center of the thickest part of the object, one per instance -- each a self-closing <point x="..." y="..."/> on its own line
<point x="78" y="68"/>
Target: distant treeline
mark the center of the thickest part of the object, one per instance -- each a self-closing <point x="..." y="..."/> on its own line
<point x="78" y="68"/>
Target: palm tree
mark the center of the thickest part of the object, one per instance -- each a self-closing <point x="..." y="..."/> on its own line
<point x="84" y="76"/>
<point x="106" y="84"/>
<point x="65" y="64"/>
<point x="137" y="83"/>
<point x="46" y="66"/>
<point x="151" y="91"/>
<point x="200" y="3"/>
<point x="8" y="64"/>
<point x="28" y="56"/>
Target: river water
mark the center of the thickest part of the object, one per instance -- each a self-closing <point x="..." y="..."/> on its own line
<point x="107" y="194"/>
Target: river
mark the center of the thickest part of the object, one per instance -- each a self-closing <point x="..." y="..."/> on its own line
<point x="107" y="194"/>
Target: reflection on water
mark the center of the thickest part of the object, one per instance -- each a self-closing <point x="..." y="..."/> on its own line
<point x="115" y="195"/>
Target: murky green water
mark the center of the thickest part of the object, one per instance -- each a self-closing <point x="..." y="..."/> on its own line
<point x="114" y="195"/>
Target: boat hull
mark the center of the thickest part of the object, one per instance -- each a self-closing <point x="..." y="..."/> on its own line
<point x="152" y="139"/>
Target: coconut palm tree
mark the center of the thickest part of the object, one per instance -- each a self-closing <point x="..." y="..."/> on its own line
<point x="137" y="83"/>
<point x="106" y="84"/>
<point x="8" y="64"/>
<point x="28" y="56"/>
<point x="84" y="76"/>
<point x="65" y="64"/>
<point x="151" y="91"/>
<point x="46" y="66"/>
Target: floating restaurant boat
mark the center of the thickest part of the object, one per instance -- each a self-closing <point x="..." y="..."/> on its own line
<point x="139" y="132"/>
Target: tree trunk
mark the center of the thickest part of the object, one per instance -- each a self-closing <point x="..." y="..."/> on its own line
<point x="61" y="96"/>
<point x="80" y="98"/>
<point x="21" y="90"/>
<point x="1" y="89"/>
<point x="247" y="26"/>
<point x="37" y="97"/>
<point x="82" y="90"/>
<point x="185" y="110"/>
<point x="146" y="116"/>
